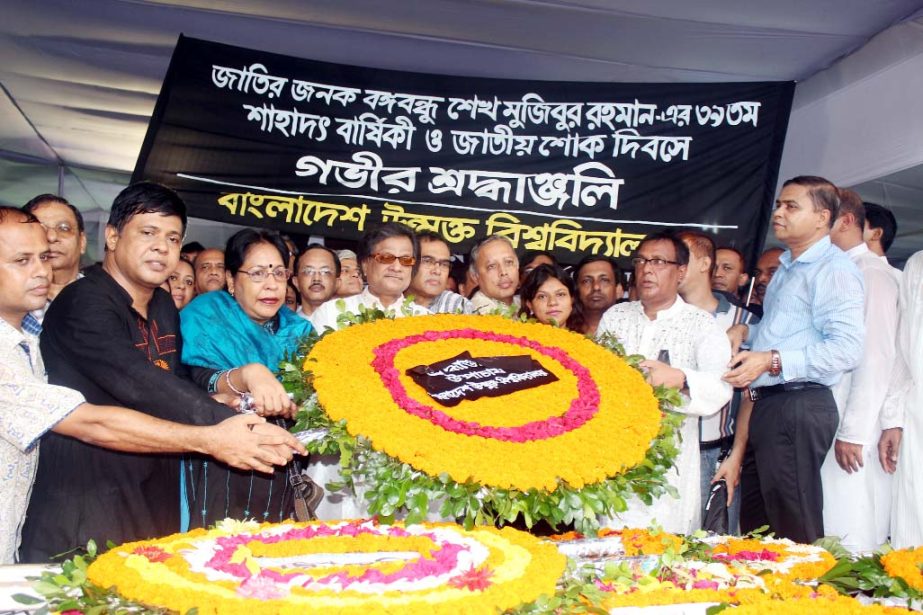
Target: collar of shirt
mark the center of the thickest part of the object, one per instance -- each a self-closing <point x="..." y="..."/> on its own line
<point x="102" y="276"/>
<point x="367" y="298"/>
<point x="814" y="253"/>
<point x="857" y="251"/>
<point x="10" y="337"/>
<point x="665" y="314"/>
<point x="724" y="306"/>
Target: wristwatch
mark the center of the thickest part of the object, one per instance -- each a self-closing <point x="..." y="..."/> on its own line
<point x="775" y="363"/>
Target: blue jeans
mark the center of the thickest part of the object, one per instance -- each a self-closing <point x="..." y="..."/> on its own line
<point x="709" y="461"/>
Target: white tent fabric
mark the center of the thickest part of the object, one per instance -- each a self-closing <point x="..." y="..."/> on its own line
<point x="80" y="79"/>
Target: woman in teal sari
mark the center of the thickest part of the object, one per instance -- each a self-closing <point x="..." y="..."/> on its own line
<point x="234" y="340"/>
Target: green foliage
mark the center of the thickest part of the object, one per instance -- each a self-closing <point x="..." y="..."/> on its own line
<point x="68" y="589"/>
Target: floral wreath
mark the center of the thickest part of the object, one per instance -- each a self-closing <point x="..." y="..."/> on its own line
<point x="346" y="567"/>
<point x="563" y="452"/>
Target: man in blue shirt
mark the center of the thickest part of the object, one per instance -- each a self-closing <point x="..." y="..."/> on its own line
<point x="811" y="333"/>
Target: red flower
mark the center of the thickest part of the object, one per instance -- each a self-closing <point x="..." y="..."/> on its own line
<point x="473" y="579"/>
<point x="152" y="553"/>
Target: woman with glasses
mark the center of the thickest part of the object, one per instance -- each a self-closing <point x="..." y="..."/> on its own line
<point x="234" y="340"/>
<point x="549" y="295"/>
<point x="388" y="257"/>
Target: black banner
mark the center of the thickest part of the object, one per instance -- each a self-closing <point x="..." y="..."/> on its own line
<point x="261" y="139"/>
<point x="464" y="377"/>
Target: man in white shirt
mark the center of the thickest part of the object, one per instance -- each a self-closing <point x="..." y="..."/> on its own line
<point x="900" y="448"/>
<point x="495" y="269"/>
<point x="857" y="493"/>
<point x="879" y="231"/>
<point x="684" y="349"/>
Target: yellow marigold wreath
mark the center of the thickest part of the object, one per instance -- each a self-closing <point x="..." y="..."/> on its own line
<point x="293" y="568"/>
<point x="351" y="387"/>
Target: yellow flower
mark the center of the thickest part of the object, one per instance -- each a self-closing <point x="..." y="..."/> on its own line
<point x="523" y="440"/>
<point x="905" y="563"/>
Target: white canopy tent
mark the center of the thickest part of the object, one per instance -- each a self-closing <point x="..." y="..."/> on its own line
<point x="80" y="78"/>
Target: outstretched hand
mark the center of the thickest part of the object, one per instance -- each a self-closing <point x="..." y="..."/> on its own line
<point x="248" y="442"/>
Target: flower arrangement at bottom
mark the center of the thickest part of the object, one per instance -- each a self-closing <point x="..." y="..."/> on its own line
<point x="344" y="567"/>
<point x="750" y="574"/>
<point x="494" y="459"/>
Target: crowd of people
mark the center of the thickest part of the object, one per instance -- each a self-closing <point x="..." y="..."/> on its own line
<point x="798" y="377"/>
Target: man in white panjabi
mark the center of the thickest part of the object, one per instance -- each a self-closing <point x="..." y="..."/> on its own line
<point x="857" y="491"/>
<point x="901" y="445"/>
<point x="662" y="323"/>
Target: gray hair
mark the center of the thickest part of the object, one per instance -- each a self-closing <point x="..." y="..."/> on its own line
<point x="341" y="254"/>
<point x="473" y="256"/>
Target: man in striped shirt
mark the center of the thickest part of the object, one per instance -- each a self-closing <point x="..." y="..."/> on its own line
<point x="812" y="332"/>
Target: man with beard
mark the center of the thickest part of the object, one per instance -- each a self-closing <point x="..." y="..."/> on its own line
<point x="599" y="287"/>
<point x="67" y="241"/>
<point x="317" y="277"/>
<point x="209" y="271"/>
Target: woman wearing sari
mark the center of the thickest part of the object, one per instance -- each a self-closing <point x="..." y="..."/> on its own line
<point x="234" y="340"/>
<point x="549" y="295"/>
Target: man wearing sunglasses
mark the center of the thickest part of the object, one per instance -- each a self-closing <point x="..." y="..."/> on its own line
<point x="67" y="241"/>
<point x="388" y="256"/>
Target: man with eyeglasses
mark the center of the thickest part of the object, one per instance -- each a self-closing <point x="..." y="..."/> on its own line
<point x="429" y="285"/>
<point x="67" y="241"/>
<point x="317" y="277"/>
<point x="389" y="256"/>
<point x="209" y="271"/>
<point x="684" y="348"/>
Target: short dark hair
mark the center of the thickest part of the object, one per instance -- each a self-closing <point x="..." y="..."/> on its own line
<point x="319" y="246"/>
<point x="851" y="203"/>
<point x="26" y="217"/>
<point x="41" y="199"/>
<point x="740" y="255"/>
<point x="145" y="198"/>
<point x="600" y="258"/>
<point x="682" y="251"/>
<point x="241" y="242"/>
<point x="539" y="276"/>
<point x="824" y="195"/>
<point x="192" y="246"/>
<point x="377" y="234"/>
<point x="882" y="217"/>
<point x="530" y="255"/>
